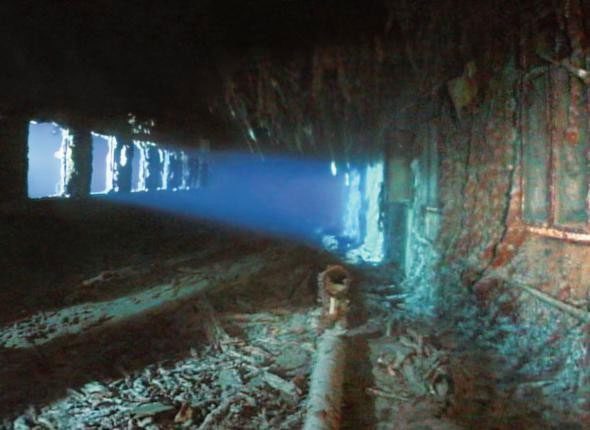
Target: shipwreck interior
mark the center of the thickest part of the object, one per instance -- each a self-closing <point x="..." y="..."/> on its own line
<point x="285" y="214"/>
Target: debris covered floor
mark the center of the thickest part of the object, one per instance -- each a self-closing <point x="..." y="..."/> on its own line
<point x="225" y="339"/>
<point x="206" y="339"/>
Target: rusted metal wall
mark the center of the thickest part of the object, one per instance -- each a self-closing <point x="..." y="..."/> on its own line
<point x="514" y="197"/>
<point x="515" y="183"/>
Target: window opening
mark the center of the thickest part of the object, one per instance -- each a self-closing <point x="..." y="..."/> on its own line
<point x="103" y="163"/>
<point x="48" y="155"/>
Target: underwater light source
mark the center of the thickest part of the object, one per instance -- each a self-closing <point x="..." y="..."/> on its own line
<point x="352" y="212"/>
<point x="295" y="198"/>
<point x="372" y="248"/>
<point x="333" y="168"/>
<point x="374" y="239"/>
<point x="287" y="197"/>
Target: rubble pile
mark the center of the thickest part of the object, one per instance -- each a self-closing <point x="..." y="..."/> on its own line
<point x="413" y="367"/>
<point x="212" y="342"/>
<point x="429" y="375"/>
<point x="413" y="383"/>
<point x="247" y="382"/>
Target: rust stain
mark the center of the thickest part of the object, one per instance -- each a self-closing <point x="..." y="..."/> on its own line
<point x="509" y="247"/>
<point x="564" y="293"/>
<point x="572" y="135"/>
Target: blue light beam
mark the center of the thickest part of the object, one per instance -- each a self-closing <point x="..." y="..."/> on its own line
<point x="288" y="197"/>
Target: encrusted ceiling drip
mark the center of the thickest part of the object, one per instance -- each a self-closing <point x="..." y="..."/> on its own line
<point x="328" y="109"/>
<point x="338" y="99"/>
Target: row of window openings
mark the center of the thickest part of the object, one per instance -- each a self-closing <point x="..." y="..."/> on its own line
<point x="49" y="153"/>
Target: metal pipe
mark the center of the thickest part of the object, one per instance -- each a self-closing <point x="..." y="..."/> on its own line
<point x="325" y="393"/>
<point x="569" y="309"/>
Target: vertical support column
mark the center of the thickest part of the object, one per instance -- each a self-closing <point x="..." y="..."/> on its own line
<point x="204" y="149"/>
<point x="153" y="180"/>
<point x="433" y="166"/>
<point x="398" y="193"/>
<point x="79" y="163"/>
<point x="165" y="169"/>
<point x="175" y="171"/>
<point x="193" y="169"/>
<point x="416" y="233"/>
<point x="372" y="248"/>
<point x="432" y="214"/>
<point x="14" y="133"/>
<point x="352" y="215"/>
<point x="123" y="162"/>
<point x="198" y="166"/>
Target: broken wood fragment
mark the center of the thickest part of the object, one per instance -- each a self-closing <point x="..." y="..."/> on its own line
<point x="216" y="334"/>
<point x="385" y="394"/>
<point x="211" y="419"/>
<point x="111" y="275"/>
<point x="286" y="387"/>
<point x="256" y="318"/>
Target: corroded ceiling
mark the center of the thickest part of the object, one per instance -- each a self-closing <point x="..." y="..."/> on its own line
<point x="164" y="59"/>
<point x="99" y="60"/>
